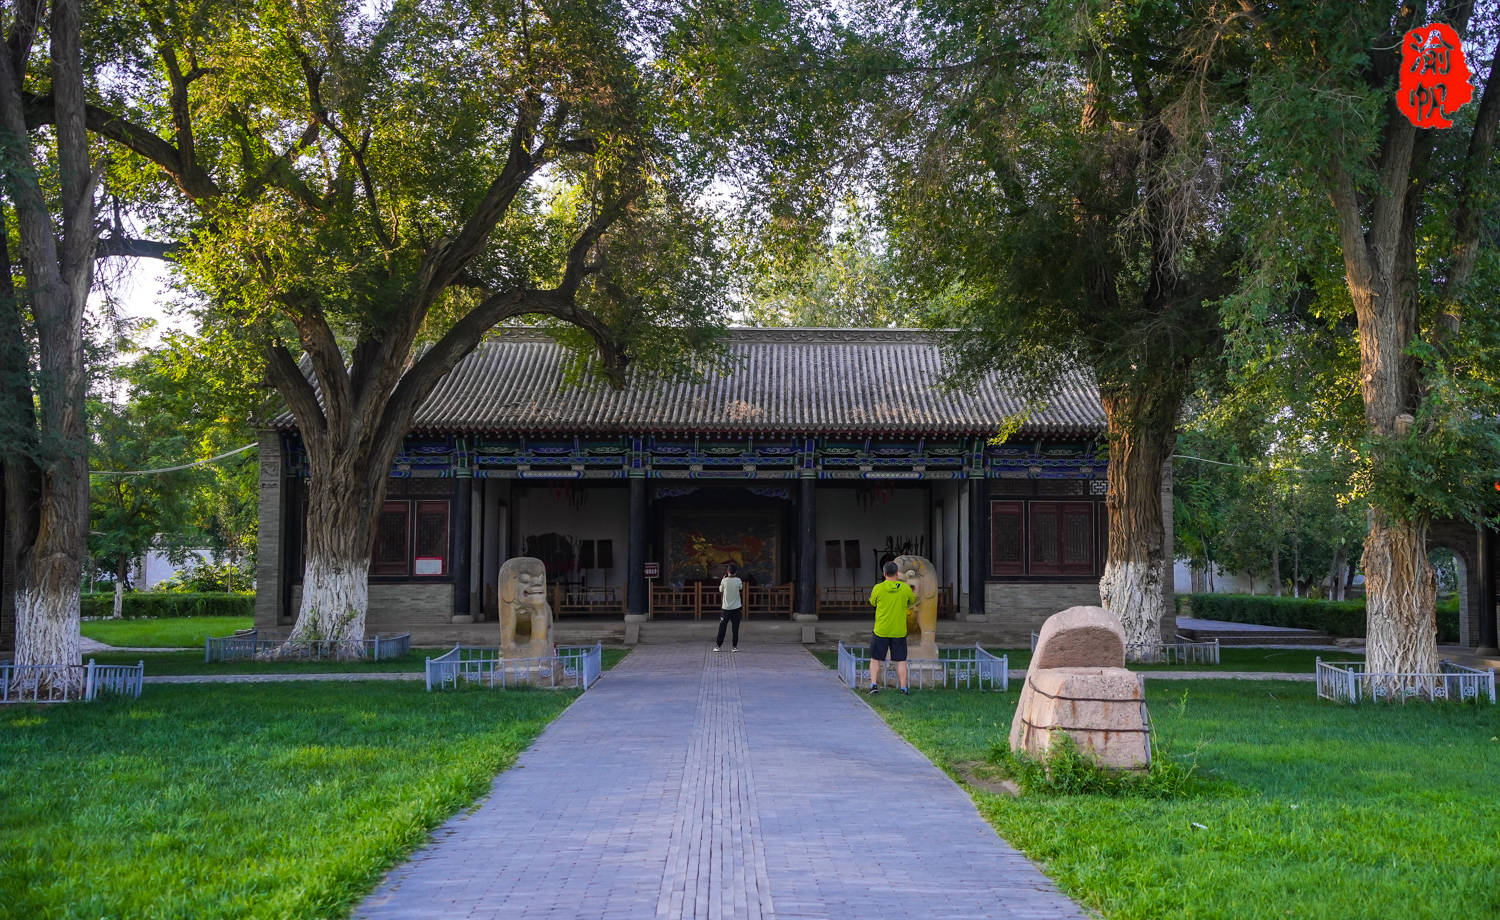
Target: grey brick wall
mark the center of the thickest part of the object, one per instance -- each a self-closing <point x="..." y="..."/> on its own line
<point x="402" y="608"/>
<point x="1021" y="608"/>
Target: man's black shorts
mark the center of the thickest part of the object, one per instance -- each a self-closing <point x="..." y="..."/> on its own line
<point x="879" y="645"/>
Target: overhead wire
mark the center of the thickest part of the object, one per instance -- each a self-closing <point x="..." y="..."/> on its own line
<point x="173" y="469"/>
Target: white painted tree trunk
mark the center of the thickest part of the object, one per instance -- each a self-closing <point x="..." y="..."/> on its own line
<point x="1400" y="600"/>
<point x="119" y="609"/>
<point x="47" y="633"/>
<point x="335" y="598"/>
<point x="1142" y="424"/>
<point x="1132" y="590"/>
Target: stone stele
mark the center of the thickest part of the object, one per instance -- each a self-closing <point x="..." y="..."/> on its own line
<point x="921" y="616"/>
<point x="1077" y="685"/>
<point x="525" y="616"/>
<point x="1080" y="637"/>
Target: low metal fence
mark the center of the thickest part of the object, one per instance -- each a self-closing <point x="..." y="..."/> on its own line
<point x="1183" y="651"/>
<point x="1349" y="682"/>
<point x="956" y="667"/>
<point x="249" y="644"/>
<point x="569" y="667"/>
<point x="62" y="683"/>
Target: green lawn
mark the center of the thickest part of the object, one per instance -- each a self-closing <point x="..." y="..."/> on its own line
<point x="1307" y="809"/>
<point x="162" y="632"/>
<point x="1284" y="660"/>
<point x="164" y="664"/>
<point x="160" y="664"/>
<point x="262" y="800"/>
<point x="1287" y="660"/>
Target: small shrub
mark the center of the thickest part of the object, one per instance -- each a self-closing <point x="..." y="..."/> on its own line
<point x="141" y="604"/>
<point x="205" y="577"/>
<point x="1067" y="770"/>
<point x="1338" y="618"/>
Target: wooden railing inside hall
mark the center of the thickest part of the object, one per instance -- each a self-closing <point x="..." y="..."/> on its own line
<point x="570" y="600"/>
<point x="698" y="601"/>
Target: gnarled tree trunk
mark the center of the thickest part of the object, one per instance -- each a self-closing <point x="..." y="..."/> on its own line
<point x="46" y="456"/>
<point x="1142" y="422"/>
<point x="1400" y="598"/>
<point x="341" y="517"/>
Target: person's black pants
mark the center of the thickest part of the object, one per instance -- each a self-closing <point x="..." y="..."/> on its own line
<point x="725" y="618"/>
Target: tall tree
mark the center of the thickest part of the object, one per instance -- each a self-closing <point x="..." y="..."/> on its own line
<point x="373" y="189"/>
<point x="1408" y="207"/>
<point x="1063" y="198"/>
<point x="133" y="433"/>
<point x="41" y="326"/>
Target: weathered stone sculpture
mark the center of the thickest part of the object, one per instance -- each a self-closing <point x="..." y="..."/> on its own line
<point x="921" y="617"/>
<point x="525" y="616"/>
<point x="1077" y="685"/>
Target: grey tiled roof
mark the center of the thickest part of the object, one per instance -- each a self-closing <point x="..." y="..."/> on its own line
<point x="803" y="381"/>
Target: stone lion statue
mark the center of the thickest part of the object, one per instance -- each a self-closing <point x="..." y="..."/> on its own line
<point x="525" y="616"/>
<point x="921" y="617"/>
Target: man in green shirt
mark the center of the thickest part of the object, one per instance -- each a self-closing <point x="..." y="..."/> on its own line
<point x="891" y="599"/>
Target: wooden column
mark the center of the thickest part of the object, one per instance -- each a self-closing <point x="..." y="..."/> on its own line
<point x="293" y="532"/>
<point x="979" y="543"/>
<point x="807" y="548"/>
<point x="489" y="555"/>
<point x="635" y="555"/>
<point x="1484" y="559"/>
<point x="462" y="505"/>
<point x="476" y="548"/>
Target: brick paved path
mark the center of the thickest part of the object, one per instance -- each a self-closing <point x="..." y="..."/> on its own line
<point x="692" y="784"/>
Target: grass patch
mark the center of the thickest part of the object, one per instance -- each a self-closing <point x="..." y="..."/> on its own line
<point x="169" y="664"/>
<point x="1298" y="808"/>
<point x="265" y="800"/>
<point x="1283" y="660"/>
<point x="163" y="664"/>
<point x="166" y="632"/>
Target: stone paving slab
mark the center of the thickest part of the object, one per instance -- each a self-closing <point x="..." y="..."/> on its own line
<point x="693" y="784"/>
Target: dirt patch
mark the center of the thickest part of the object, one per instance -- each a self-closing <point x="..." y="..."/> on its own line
<point x="986" y="776"/>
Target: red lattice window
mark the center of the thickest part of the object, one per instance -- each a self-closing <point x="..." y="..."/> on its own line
<point x="430" y="553"/>
<point x="1062" y="538"/>
<point x="1007" y="539"/>
<point x="390" y="555"/>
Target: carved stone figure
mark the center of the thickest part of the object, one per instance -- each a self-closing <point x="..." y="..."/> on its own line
<point x="1077" y="685"/>
<point x="525" y="616"/>
<point x="921" y="617"/>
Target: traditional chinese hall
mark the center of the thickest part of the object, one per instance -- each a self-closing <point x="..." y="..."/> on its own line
<point x="816" y="455"/>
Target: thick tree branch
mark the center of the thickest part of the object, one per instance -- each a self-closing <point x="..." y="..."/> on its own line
<point x="578" y="266"/>
<point x="287" y="377"/>
<point x="313" y="77"/>
<point x="112" y="246"/>
<point x="1466" y="219"/>
<point x="1346" y="213"/>
<point x="22" y="35"/>
<point x="194" y="182"/>
<point x="322" y="349"/>
<point x="451" y="258"/>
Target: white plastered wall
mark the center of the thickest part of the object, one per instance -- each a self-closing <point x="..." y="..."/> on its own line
<point x="582" y="513"/>
<point x="892" y="512"/>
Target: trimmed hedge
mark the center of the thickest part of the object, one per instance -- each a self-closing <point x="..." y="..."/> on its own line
<point x="1339" y="618"/>
<point x="143" y="604"/>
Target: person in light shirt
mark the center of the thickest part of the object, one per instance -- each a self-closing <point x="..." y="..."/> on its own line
<point x="730" y="588"/>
